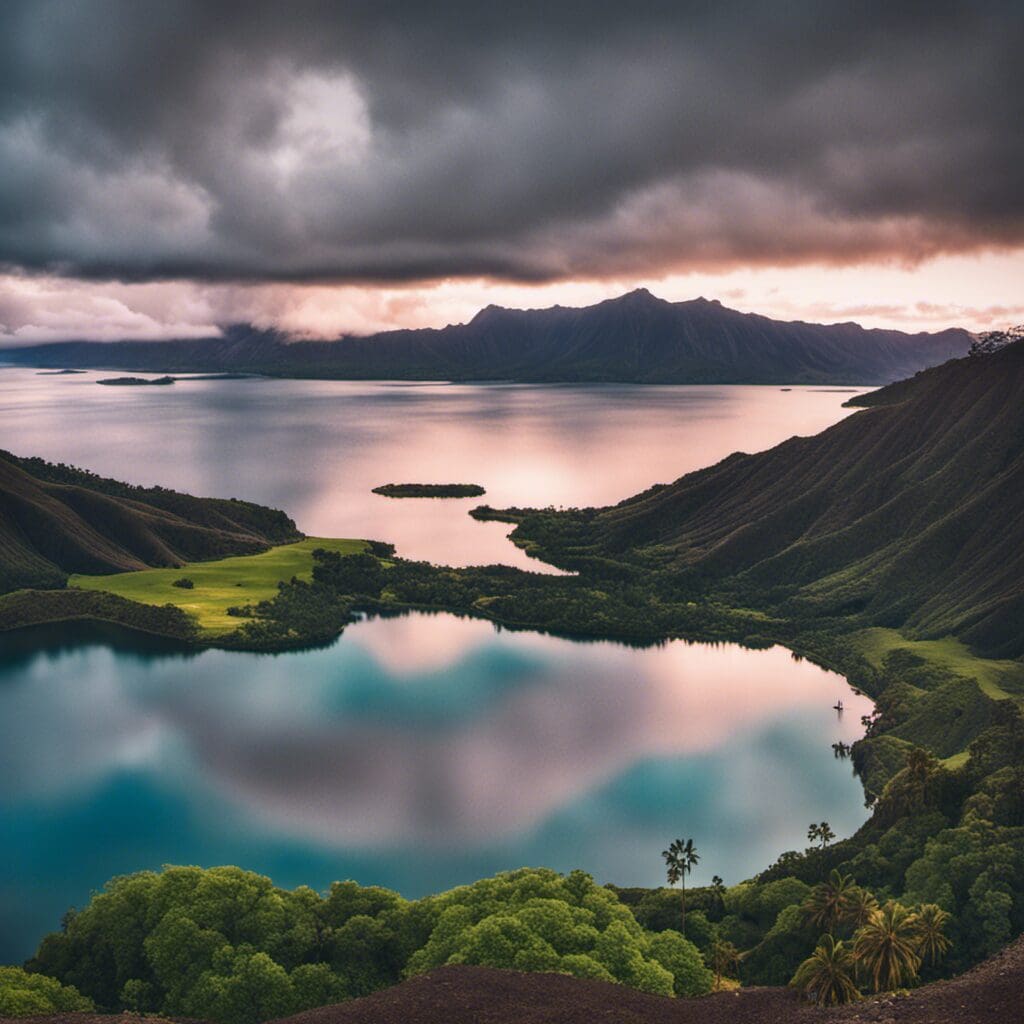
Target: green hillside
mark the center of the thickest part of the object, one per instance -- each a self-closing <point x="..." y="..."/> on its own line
<point x="909" y="514"/>
<point x="221" y="584"/>
<point x="56" y="520"/>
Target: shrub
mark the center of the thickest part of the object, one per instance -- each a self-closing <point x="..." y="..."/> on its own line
<point x="25" y="995"/>
<point x="538" y="920"/>
<point x="683" y="961"/>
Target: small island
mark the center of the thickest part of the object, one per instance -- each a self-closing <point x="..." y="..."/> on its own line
<point x="133" y="382"/>
<point x="430" y="490"/>
<point x="58" y="373"/>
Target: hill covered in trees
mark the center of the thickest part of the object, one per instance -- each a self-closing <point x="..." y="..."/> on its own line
<point x="909" y="514"/>
<point x="634" y="338"/>
<point x="56" y="520"/>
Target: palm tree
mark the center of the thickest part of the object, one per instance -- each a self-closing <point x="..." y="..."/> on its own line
<point x="820" y="834"/>
<point x="828" y="903"/>
<point x="718" y="894"/>
<point x="932" y="942"/>
<point x="680" y="860"/>
<point x="886" y="947"/>
<point x="826" y="976"/>
<point x="860" y="907"/>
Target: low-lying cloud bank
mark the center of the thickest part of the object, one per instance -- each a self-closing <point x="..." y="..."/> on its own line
<point x="964" y="292"/>
<point x="406" y="142"/>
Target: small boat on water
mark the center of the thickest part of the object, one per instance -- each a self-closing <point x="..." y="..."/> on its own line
<point x="838" y="706"/>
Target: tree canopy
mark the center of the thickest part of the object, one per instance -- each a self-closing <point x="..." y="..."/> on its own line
<point x="226" y="945"/>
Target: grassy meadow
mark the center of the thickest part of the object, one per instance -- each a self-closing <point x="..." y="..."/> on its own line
<point x="219" y="585"/>
<point x="933" y="662"/>
<point x="998" y="679"/>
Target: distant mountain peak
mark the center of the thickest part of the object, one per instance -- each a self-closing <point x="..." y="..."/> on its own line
<point x="635" y="337"/>
<point x="638" y="298"/>
<point x="488" y="313"/>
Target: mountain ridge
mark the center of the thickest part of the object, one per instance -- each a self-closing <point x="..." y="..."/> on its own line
<point x="907" y="514"/>
<point x="56" y="520"/>
<point x="632" y="338"/>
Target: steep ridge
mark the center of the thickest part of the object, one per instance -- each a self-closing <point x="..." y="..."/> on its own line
<point x="909" y="514"/>
<point x="56" y="520"/>
<point x="634" y="338"/>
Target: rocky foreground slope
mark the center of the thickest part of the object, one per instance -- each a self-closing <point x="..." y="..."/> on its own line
<point x="992" y="993"/>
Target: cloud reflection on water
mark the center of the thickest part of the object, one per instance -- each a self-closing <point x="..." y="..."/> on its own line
<point x="483" y="736"/>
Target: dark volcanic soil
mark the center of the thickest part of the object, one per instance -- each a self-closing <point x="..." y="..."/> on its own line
<point x="481" y="995"/>
<point x="992" y="993"/>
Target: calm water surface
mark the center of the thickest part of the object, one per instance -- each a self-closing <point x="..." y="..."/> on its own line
<point x="415" y="752"/>
<point x="317" y="448"/>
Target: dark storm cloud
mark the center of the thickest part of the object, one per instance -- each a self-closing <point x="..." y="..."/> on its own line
<point x="397" y="141"/>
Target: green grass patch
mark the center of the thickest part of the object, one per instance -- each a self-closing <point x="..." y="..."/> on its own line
<point x="998" y="679"/>
<point x="219" y="585"/>
<point x="957" y="760"/>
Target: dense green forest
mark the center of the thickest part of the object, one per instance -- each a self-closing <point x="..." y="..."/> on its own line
<point x="226" y="945"/>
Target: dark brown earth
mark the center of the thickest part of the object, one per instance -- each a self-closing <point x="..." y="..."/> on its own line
<point x="992" y="993"/>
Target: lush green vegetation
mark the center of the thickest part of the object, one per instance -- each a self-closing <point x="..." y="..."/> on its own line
<point x="25" y="995"/>
<point x="227" y="945"/>
<point x="430" y="490"/>
<point x="922" y="663"/>
<point x="946" y="830"/>
<point x="626" y="607"/>
<point x="25" y="608"/>
<point x="56" y="520"/>
<point x="211" y="589"/>
<point x="883" y="947"/>
<point x="906" y="515"/>
<point x="218" y="513"/>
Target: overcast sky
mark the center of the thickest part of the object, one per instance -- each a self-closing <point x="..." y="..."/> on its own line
<point x="167" y="166"/>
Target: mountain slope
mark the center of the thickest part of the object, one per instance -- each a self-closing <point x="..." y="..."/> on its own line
<point x="634" y="338"/>
<point x="908" y="514"/>
<point x="56" y="520"/>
